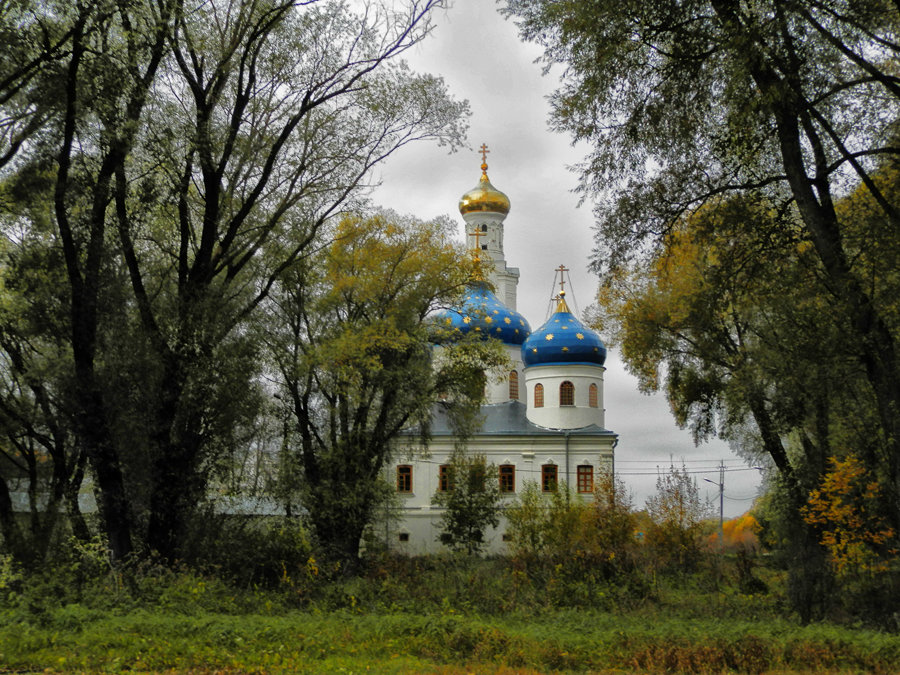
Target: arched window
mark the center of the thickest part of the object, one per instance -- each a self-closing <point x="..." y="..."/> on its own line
<point x="514" y="386"/>
<point x="567" y="393"/>
<point x="538" y="395"/>
<point x="592" y="396"/>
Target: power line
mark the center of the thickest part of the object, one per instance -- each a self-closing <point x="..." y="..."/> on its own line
<point x="692" y="471"/>
<point x="669" y="461"/>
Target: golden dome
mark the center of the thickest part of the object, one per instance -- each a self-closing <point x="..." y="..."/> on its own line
<point x="484" y="197"/>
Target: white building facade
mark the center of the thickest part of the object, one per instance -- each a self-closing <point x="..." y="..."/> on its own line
<point x="544" y="419"/>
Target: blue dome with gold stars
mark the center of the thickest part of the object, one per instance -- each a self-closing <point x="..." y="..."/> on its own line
<point x="481" y="311"/>
<point x="563" y="340"/>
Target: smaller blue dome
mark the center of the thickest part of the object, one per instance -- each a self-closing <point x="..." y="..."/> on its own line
<point x="482" y="311"/>
<point x="563" y="339"/>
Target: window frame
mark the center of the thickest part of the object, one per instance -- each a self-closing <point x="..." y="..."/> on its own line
<point x="569" y="399"/>
<point x="445" y="478"/>
<point x="506" y="475"/>
<point x="585" y="478"/>
<point x="548" y="483"/>
<point x="538" y="395"/>
<point x="404" y="478"/>
<point x="514" y="385"/>
<point x="593" y="395"/>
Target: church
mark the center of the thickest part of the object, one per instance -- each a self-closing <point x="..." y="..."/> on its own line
<point x="543" y="421"/>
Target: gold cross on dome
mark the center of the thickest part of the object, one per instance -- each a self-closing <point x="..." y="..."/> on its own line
<point x="478" y="234"/>
<point x="484" y="154"/>
<point x="562" y="269"/>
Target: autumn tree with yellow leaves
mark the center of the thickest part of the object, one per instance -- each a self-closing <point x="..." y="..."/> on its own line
<point x="351" y="341"/>
<point x="848" y="510"/>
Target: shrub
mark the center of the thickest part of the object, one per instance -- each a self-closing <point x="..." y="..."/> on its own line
<point x="574" y="552"/>
<point x="250" y="549"/>
<point x="675" y="532"/>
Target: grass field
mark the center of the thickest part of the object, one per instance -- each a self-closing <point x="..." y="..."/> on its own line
<point x="427" y="615"/>
<point x="657" y="638"/>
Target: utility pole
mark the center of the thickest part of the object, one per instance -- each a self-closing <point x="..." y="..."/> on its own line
<point x="721" y="485"/>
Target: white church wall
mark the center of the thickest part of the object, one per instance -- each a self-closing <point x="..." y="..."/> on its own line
<point x="497" y="388"/>
<point x="552" y="415"/>
<point x="417" y="529"/>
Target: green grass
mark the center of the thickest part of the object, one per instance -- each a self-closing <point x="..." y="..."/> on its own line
<point x="432" y="615"/>
<point x="77" y="638"/>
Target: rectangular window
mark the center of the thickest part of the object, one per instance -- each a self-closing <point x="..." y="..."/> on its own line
<point x="549" y="477"/>
<point x="404" y="478"/>
<point x="507" y="478"/>
<point x="445" y="478"/>
<point x="585" y="478"/>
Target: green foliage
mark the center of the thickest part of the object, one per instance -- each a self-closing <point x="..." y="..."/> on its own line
<point x="471" y="504"/>
<point x="733" y="311"/>
<point x="351" y="339"/>
<point x="172" y="176"/>
<point x="249" y="550"/>
<point x="439" y="611"/>
<point x="10" y="578"/>
<point x="190" y="625"/>
<point x="573" y="552"/>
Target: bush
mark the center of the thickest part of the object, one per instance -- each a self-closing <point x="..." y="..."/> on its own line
<point x="675" y="531"/>
<point x="572" y="552"/>
<point x="250" y="550"/>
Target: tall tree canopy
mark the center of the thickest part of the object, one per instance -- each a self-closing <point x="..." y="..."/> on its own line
<point x="686" y="100"/>
<point x="351" y="342"/>
<point x="187" y="155"/>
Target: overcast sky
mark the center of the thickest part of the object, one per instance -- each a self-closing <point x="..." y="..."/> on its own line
<point x="481" y="58"/>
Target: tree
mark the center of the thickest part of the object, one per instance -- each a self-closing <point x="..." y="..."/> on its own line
<point x="733" y="322"/>
<point x="846" y="507"/>
<point x="351" y="343"/>
<point x="38" y="456"/>
<point x="36" y="39"/>
<point x="196" y="154"/>
<point x="676" y="519"/>
<point x="687" y="100"/>
<point x="559" y="527"/>
<point x="471" y="503"/>
<point x="286" y="118"/>
<point x="736" y="319"/>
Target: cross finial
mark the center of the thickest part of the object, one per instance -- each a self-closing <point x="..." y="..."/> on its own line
<point x="478" y="234"/>
<point x="476" y="252"/>
<point x="484" y="154"/>
<point x="561" y="305"/>
<point x="562" y="269"/>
